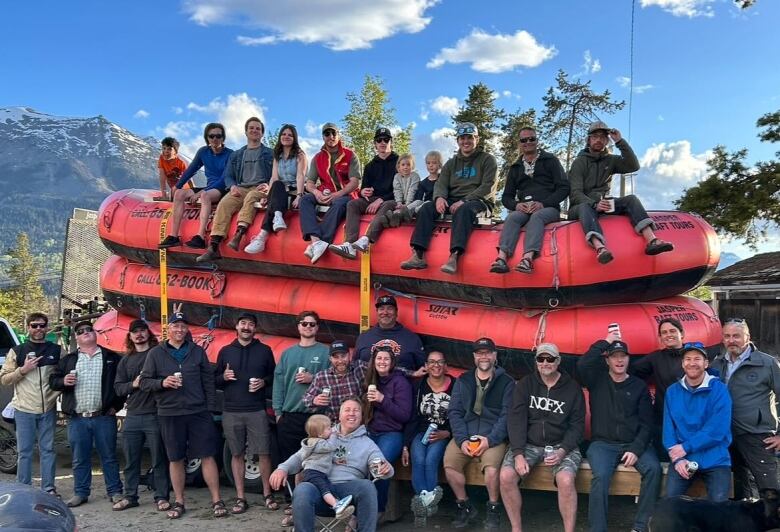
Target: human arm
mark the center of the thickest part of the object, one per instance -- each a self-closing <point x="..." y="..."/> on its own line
<point x="411" y="192"/>
<point x="195" y="165"/>
<point x="560" y="182"/>
<point x="163" y="181"/>
<point x="207" y="381"/>
<point x="270" y="368"/>
<point x="488" y="174"/>
<point x="591" y="367"/>
<point x="123" y="384"/>
<point x="498" y="433"/>
<point x="441" y="187"/>
<point x="646" y="422"/>
<point x="11" y="373"/>
<point x="457" y="412"/>
<point x="398" y="189"/>
<point x="57" y="376"/>
<point x="576" y="431"/>
<point x="150" y="380"/>
<point x="219" y="370"/>
<point x="626" y="162"/>
<point x="578" y="194"/>
<point x="278" y="392"/>
<point x="387" y="470"/>
<point x="398" y="403"/>
<point x="517" y="420"/>
<point x="509" y="196"/>
<point x="410" y="428"/>
<point x="228" y="174"/>
<point x="642" y="368"/>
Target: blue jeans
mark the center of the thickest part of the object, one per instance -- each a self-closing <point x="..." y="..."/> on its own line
<point x="140" y="428"/>
<point x="307" y="502"/>
<point x="29" y="428"/>
<point x="717" y="480"/>
<point x="326" y="229"/>
<point x="82" y="432"/>
<point x="604" y="458"/>
<point x="426" y="461"/>
<point x="391" y="444"/>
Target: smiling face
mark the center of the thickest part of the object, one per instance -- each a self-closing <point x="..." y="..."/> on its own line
<point x="386" y="316"/>
<point x="383" y="363"/>
<point x="286" y="137"/>
<point x="245" y="328"/>
<point x="467" y="144"/>
<point x="216" y="137"/>
<point x="547" y="364"/>
<point x="618" y="363"/>
<point x="735" y="338"/>
<point x="436" y="364"/>
<point x="671" y="337"/>
<point x="331" y="139"/>
<point x="694" y="365"/>
<point x="485" y="359"/>
<point x="36" y="330"/>
<point x="340" y="362"/>
<point x="350" y="416"/>
<point x="177" y="332"/>
<point x="308" y="327"/>
<point x="254" y="132"/>
<point x="527" y="141"/>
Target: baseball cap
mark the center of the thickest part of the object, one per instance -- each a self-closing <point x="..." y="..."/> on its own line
<point x="466" y="128"/>
<point x="339" y="346"/>
<point x="617" y="347"/>
<point x="175" y="317"/>
<point x="138" y="324"/>
<point x="247" y="316"/>
<point x="598" y="126"/>
<point x="548" y="348"/>
<point x="386" y="300"/>
<point x="695" y="346"/>
<point x="330" y="125"/>
<point x="483" y="343"/>
<point x="382" y="132"/>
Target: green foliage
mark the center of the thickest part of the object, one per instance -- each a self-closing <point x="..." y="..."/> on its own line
<point x="370" y="109"/>
<point x="702" y="292"/>
<point x="6" y="304"/>
<point x="480" y="109"/>
<point x="569" y="107"/>
<point x="770" y="121"/>
<point x="27" y="293"/>
<point x="508" y="150"/>
<point x="744" y="4"/>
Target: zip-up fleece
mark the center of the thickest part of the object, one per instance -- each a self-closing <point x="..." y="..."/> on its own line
<point x="429" y="408"/>
<point x="548" y="185"/>
<point x="108" y="397"/>
<point x="197" y="393"/>
<point x="32" y="392"/>
<point x="620" y="412"/>
<point x="353" y="453"/>
<point x="468" y="178"/>
<point x="546" y="416"/>
<point x="591" y="173"/>
<point x="492" y="423"/>
<point x="253" y="360"/>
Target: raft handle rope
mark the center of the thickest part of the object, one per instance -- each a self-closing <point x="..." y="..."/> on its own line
<point x="541" y="329"/>
<point x="108" y="214"/>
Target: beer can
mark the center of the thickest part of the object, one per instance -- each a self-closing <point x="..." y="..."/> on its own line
<point x="252" y="382"/>
<point x="372" y="387"/>
<point x="31" y="355"/>
<point x="73" y="372"/>
<point x="301" y="370"/>
<point x="326" y="390"/>
<point x="692" y="467"/>
<point x="426" y="437"/>
<point x="549" y="450"/>
<point x="473" y="443"/>
<point x="374" y="466"/>
<point x="178" y="376"/>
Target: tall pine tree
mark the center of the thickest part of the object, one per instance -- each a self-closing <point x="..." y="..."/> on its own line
<point x="480" y="109"/>
<point x="27" y="293"/>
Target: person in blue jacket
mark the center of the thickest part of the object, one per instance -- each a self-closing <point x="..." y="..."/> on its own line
<point x="697" y="428"/>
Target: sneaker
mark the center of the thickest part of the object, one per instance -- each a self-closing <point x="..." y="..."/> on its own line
<point x="278" y="223"/>
<point x="343" y="250"/>
<point x="451" y="266"/>
<point x="76" y="500"/>
<point x="493" y="517"/>
<point x="414" y="262"/>
<point x="317" y="250"/>
<point x="196" y="242"/>
<point x="658" y="246"/>
<point x="169" y="241"/>
<point x="361" y="244"/>
<point x="426" y="497"/>
<point x="342" y="507"/>
<point x="257" y="244"/>
<point x="307" y="251"/>
<point x="235" y="242"/>
<point x="210" y="255"/>
<point x="466" y="514"/>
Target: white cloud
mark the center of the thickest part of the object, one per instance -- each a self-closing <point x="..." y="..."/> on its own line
<point x="445" y="105"/>
<point x="495" y="53"/>
<point x="424" y="113"/>
<point x="177" y="110"/>
<point x="442" y="140"/>
<point x="625" y="82"/>
<point x="343" y="25"/>
<point x="683" y="8"/>
<point x="141" y="113"/>
<point x="590" y="65"/>
<point x="311" y="128"/>
<point x="232" y="112"/>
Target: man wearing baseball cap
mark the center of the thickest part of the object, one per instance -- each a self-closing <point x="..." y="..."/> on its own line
<point x="332" y="179"/>
<point x="405" y="344"/>
<point x="332" y="386"/>
<point x="590" y="178"/>
<point x="376" y="194"/>
<point x="478" y="409"/>
<point x="621" y="421"/>
<point x="546" y="424"/>
<point x="464" y="189"/>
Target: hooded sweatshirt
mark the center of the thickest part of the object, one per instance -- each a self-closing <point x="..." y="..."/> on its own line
<point x="468" y="178"/>
<point x="353" y="453"/>
<point x="406" y="345"/>
<point x="316" y="454"/>
<point x="546" y="416"/>
<point x="379" y="173"/>
<point x="591" y="173"/>
<point x="139" y="402"/>
<point x="492" y="421"/>
<point x="548" y="185"/>
<point x="665" y="367"/>
<point x="252" y="360"/>
<point x="396" y="408"/>
<point x="32" y="392"/>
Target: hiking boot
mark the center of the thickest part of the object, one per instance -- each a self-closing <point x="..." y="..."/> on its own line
<point x="466" y="514"/>
<point x="257" y="244"/>
<point x="210" y="255"/>
<point x="415" y="262"/>
<point x="317" y="250"/>
<point x="76" y="500"/>
<point x="278" y="223"/>
<point x="343" y="250"/>
<point x="169" y="241"/>
<point x="196" y="242"/>
<point x="451" y="266"/>
<point x="493" y="517"/>
<point x="235" y="242"/>
<point x="361" y="244"/>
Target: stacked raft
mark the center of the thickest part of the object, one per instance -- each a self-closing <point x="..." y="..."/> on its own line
<point x="569" y="299"/>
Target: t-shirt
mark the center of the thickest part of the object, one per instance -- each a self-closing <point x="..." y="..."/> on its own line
<point x="172" y="169"/>
<point x="250" y="170"/>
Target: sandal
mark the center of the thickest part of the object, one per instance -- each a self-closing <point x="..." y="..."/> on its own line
<point x="124" y="504"/>
<point x="240" y="506"/>
<point x="288" y="510"/>
<point x="499" y="266"/>
<point x="604" y="255"/>
<point x="657" y="246"/>
<point x="525" y="266"/>
<point x="287" y="520"/>
<point x="270" y="502"/>
<point x="176" y="511"/>
<point x="163" y="505"/>
<point x="219" y="509"/>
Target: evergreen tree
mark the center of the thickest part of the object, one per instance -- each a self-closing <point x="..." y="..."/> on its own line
<point x="27" y="293"/>
<point x="508" y="151"/>
<point x="370" y="109"/>
<point x="480" y="109"/>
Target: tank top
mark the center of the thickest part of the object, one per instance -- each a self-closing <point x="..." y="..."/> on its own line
<point x="288" y="170"/>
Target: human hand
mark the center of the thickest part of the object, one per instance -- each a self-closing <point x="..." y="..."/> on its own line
<point x="229" y="374"/>
<point x="676" y="452"/>
<point x="278" y="479"/>
<point x="384" y="469"/>
<point x="419" y="372"/>
<point x="603" y="205"/>
<point x="437" y="435"/>
<point x="137" y="382"/>
<point x="234" y="191"/>
<point x="682" y="469"/>
<point x="30" y="364"/>
<point x="773" y="443"/>
<point x="455" y="206"/>
<point x="367" y="192"/>
<point x="263" y="187"/>
<point x="483" y="446"/>
<point x="613" y="336"/>
<point x="321" y="400"/>
<point x="629" y="459"/>
<point x="69" y="380"/>
<point x="374" y="206"/>
<point x="615" y="135"/>
<point x="303" y="378"/>
<point x="521" y="465"/>
<point x="296" y="202"/>
<point x="534" y="206"/>
<point x="253" y="387"/>
<point x="171" y="382"/>
<point x="555" y="458"/>
<point x="441" y="205"/>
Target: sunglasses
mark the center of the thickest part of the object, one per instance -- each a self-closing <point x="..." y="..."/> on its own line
<point x="693" y="345"/>
<point x="84" y="330"/>
<point x="436" y="363"/>
<point x="329" y="133"/>
<point x="37" y="326"/>
<point x="307" y="323"/>
<point x="544" y="358"/>
<point x="468" y="130"/>
<point x="383" y="140"/>
<point x="217" y="136"/>
<point x="527" y="139"/>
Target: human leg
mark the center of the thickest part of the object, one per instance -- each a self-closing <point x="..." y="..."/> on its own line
<point x="226" y="208"/>
<point x="433" y="460"/>
<point x="650" y="469"/>
<point x="80" y="440"/>
<point x="133" y="437"/>
<point x="306" y="502"/>
<point x="46" y="425"/>
<point x="162" y="482"/>
<point x="760" y="461"/>
<point x="675" y="484"/>
<point x="246" y="214"/>
<point x="418" y="454"/>
<point x="277" y="203"/>
<point x="423" y="227"/>
<point x="25" y="443"/>
<point x="334" y="216"/>
<point x="603" y="458"/>
<point x="207" y="200"/>
<point x="180" y="198"/>
<point x="510" y="233"/>
<point x="105" y="442"/>
<point x="510" y="493"/>
<point x="379" y="221"/>
<point x="589" y="221"/>
<point x="390" y="443"/>
<point x="308" y="216"/>
<point x="567" y="499"/>
<point x="463" y="222"/>
<point x="355" y="208"/>
<point x="364" y="497"/>
<point x="534" y="229"/>
<point x="718" y="482"/>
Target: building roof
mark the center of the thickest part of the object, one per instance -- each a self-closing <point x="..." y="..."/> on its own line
<point x="762" y="269"/>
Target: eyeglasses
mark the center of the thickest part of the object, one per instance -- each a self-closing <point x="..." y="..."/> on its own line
<point x="436" y="363"/>
<point x="307" y="323"/>
<point x="84" y="330"/>
<point x="523" y="140"/>
<point x="217" y="136"/>
<point x="693" y="345"/>
<point x="544" y="358"/>
<point x="466" y="130"/>
<point x="383" y="140"/>
<point x="37" y="326"/>
<point x="329" y="133"/>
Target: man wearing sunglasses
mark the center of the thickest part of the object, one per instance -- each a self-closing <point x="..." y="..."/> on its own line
<point x="464" y="189"/>
<point x="86" y="379"/>
<point x="753" y="380"/>
<point x="535" y="187"/>
<point x="332" y="179"/>
<point x="621" y="428"/>
<point x="27" y="368"/>
<point x="591" y="180"/>
<point x="547" y="410"/>
<point x="376" y="193"/>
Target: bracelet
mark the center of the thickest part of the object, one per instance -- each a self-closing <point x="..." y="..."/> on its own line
<point x="299" y="194"/>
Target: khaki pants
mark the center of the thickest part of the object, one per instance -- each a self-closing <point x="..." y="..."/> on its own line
<point x="228" y="206"/>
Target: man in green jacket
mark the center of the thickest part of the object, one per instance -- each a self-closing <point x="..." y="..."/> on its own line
<point x="464" y="189"/>
<point x="590" y="177"/>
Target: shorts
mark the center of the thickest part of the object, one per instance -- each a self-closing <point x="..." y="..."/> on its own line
<point x="455" y="459"/>
<point x="189" y="436"/>
<point x="535" y="455"/>
<point x="247" y="433"/>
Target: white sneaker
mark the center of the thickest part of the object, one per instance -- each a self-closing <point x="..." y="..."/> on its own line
<point x="342" y="508"/>
<point x="278" y="224"/>
<point x="257" y="244"/>
<point x="317" y="250"/>
<point x="307" y="251"/>
<point x="362" y="244"/>
<point x="343" y="250"/>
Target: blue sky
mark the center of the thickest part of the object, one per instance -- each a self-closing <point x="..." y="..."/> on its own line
<point x="704" y="71"/>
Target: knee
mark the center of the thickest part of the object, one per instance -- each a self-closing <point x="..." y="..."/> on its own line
<point x="508" y="477"/>
<point x="565" y="482"/>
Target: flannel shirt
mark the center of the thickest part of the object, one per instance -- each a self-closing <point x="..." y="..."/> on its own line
<point x="342" y="387"/>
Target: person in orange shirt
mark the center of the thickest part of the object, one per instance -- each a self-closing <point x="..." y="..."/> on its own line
<point x="170" y="166"/>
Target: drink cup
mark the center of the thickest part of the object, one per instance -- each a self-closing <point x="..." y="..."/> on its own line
<point x="301" y="370"/>
<point x="326" y="391"/>
<point x="611" y="201"/>
<point x="549" y="451"/>
<point x="473" y="444"/>
<point x="178" y="377"/>
<point x="31" y="355"/>
<point x="253" y="383"/>
<point x="374" y="466"/>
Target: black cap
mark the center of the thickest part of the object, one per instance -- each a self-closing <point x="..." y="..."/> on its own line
<point x="82" y="323"/>
<point x="138" y="324"/>
<point x="484" y="343"/>
<point x="382" y="132"/>
<point x="617" y="347"/>
<point x="385" y="300"/>
<point x="247" y="316"/>
<point x="176" y="316"/>
<point x="339" y="346"/>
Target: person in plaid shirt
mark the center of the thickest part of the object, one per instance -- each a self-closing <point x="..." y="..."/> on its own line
<point x="343" y="378"/>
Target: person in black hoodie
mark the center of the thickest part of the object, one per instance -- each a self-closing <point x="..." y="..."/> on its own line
<point x="548" y="409"/>
<point x="86" y="379"/>
<point x="245" y="369"/>
<point x="621" y="427"/>
<point x="180" y="376"/>
<point x="535" y="187"/>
